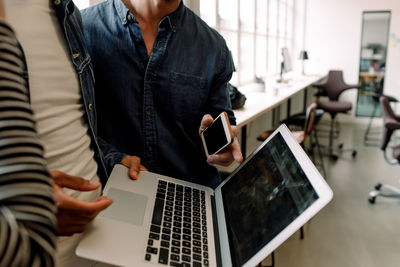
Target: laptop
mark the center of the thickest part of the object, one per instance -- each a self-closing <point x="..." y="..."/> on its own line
<point x="162" y="221"/>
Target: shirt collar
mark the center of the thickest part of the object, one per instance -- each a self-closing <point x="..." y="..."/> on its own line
<point x="122" y="11"/>
<point x="171" y="20"/>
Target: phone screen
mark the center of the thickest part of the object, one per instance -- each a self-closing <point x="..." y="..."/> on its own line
<point x="215" y="136"/>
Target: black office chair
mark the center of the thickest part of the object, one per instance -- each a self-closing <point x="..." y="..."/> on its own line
<point x="333" y="87"/>
<point x="391" y="123"/>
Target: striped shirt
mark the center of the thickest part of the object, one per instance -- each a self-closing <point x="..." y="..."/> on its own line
<point x="27" y="210"/>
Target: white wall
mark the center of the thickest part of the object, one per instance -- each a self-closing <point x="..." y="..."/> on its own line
<point x="333" y="37"/>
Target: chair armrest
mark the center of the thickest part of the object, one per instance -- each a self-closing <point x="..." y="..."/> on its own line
<point x="392" y="124"/>
<point x="351" y="86"/>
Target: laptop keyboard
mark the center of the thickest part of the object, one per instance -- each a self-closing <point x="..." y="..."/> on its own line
<point x="178" y="232"/>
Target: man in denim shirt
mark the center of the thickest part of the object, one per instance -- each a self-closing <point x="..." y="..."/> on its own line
<point x="159" y="69"/>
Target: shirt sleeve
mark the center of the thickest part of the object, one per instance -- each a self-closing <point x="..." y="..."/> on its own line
<point x="219" y="99"/>
<point x="27" y="210"/>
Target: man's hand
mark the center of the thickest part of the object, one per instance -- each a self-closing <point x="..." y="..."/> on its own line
<point x="133" y="163"/>
<point x="73" y="215"/>
<point x="229" y="154"/>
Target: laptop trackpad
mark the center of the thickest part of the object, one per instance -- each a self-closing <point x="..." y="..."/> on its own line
<point x="127" y="207"/>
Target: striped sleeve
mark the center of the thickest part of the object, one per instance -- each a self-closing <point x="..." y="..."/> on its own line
<point x="27" y="210"/>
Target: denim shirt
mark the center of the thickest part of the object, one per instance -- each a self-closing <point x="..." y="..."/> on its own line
<point x="152" y="106"/>
<point x="70" y="21"/>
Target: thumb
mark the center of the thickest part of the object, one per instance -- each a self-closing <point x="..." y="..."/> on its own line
<point x="205" y="122"/>
<point x="73" y="182"/>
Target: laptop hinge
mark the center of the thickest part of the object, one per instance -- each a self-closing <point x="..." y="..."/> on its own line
<point x="216" y="233"/>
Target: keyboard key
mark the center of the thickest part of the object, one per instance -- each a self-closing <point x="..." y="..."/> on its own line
<point x="174" y="257"/>
<point x="205" y="262"/>
<point x="205" y="255"/>
<point x="196" y="224"/>
<point x="186" y="244"/>
<point x="178" y="213"/>
<point x="187" y="237"/>
<point x="188" y="189"/>
<point x="165" y="244"/>
<point x="185" y="258"/>
<point x="205" y="247"/>
<point x="184" y="264"/>
<point x="186" y="251"/>
<point x="162" y="182"/>
<point x="151" y="250"/>
<point x="175" y="264"/>
<point x="147" y="257"/>
<point x="163" y="258"/>
<point x="167" y="219"/>
<point x="178" y="224"/>
<point x="167" y="224"/>
<point x="155" y="229"/>
<point x="168" y="213"/>
<point x="205" y="241"/>
<point x="175" y="250"/>
<point x="169" y="203"/>
<point x="204" y="234"/>
<point x="154" y="236"/>
<point x="176" y="243"/>
<point x="197" y="250"/>
<point x="196" y="243"/>
<point x="196" y="230"/>
<point x="196" y="264"/>
<point x="170" y="198"/>
<point x="150" y="242"/>
<point x="166" y="231"/>
<point x="165" y="237"/>
<point x="187" y="225"/>
<point x="158" y="211"/>
<point x="187" y="231"/>
<point x="176" y="236"/>
<point x="160" y="195"/>
<point x="197" y="257"/>
<point x="176" y="230"/>
<point x="169" y="208"/>
<point x="179" y="188"/>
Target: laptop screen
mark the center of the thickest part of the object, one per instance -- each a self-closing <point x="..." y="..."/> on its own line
<point x="264" y="197"/>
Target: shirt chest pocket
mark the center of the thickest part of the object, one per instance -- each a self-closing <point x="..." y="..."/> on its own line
<point x="188" y="96"/>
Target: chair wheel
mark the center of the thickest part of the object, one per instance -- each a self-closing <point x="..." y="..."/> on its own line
<point x="334" y="157"/>
<point x="354" y="154"/>
<point x="378" y="186"/>
<point x="371" y="200"/>
<point x="340" y="146"/>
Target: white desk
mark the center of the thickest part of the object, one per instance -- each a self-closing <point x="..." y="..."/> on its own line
<point x="258" y="103"/>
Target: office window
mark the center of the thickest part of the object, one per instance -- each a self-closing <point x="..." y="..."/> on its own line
<point x="255" y="31"/>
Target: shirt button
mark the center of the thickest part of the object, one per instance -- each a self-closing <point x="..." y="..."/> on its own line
<point x="90" y="106"/>
<point x="148" y="113"/>
<point x="130" y="17"/>
<point x="150" y="148"/>
<point x="57" y="2"/>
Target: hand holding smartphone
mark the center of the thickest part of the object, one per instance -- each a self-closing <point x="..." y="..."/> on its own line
<point x="217" y="135"/>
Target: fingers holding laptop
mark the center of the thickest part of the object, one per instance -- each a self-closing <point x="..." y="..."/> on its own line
<point x="133" y="163"/>
<point x="73" y="215"/>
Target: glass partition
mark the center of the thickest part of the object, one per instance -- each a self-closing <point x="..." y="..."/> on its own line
<point x="374" y="41"/>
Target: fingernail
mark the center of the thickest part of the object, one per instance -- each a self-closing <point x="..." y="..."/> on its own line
<point x="94" y="182"/>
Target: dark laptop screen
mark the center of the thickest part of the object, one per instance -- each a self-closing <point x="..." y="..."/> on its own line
<point x="264" y="197"/>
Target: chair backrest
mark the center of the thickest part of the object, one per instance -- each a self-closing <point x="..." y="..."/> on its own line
<point x="334" y="85"/>
<point x="310" y="119"/>
<point x="389" y="121"/>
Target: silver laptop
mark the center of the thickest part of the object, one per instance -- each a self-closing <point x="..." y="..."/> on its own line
<point x="159" y="220"/>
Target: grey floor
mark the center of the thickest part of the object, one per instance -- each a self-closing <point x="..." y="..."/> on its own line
<point x="350" y="231"/>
